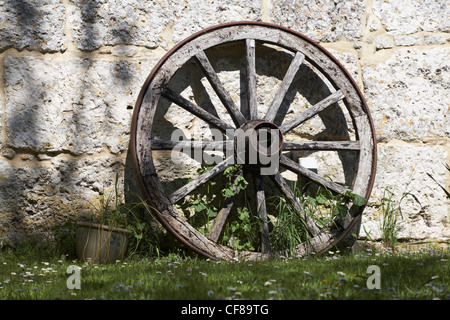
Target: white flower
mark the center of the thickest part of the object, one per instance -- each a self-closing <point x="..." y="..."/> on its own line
<point x="269" y="282"/>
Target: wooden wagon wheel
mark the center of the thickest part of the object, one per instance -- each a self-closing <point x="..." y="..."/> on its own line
<point x="288" y="106"/>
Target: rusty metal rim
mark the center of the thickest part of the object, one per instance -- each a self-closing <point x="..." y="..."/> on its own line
<point x="143" y="91"/>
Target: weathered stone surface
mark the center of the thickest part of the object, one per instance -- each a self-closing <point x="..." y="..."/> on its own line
<point x="151" y="23"/>
<point x="384" y="43"/>
<point x="410" y="16"/>
<point x="98" y="23"/>
<point x="8" y="153"/>
<point x="2" y="107"/>
<point x="76" y="105"/>
<point x="436" y="38"/>
<point x="33" y="25"/>
<point x="408" y="94"/>
<point x="402" y="169"/>
<point x="349" y="61"/>
<point x="195" y="16"/>
<point x="321" y="20"/>
<point x="407" y="40"/>
<point x="34" y="198"/>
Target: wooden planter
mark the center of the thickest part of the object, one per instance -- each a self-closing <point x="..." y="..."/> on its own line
<point x="101" y="243"/>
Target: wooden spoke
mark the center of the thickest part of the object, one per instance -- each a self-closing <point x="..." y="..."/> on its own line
<point x="195" y="110"/>
<point x="293" y="166"/>
<point x="200" y="180"/>
<point x="311" y="112"/>
<point x="218" y="87"/>
<point x="222" y="216"/>
<point x="321" y="145"/>
<point x="262" y="211"/>
<point x="284" y="87"/>
<point x="251" y="78"/>
<point x="205" y="145"/>
<point x="289" y="194"/>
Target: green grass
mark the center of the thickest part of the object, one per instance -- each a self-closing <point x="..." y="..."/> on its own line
<point x="420" y="275"/>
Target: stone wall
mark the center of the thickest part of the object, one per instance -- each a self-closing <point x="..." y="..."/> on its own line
<point x="70" y="72"/>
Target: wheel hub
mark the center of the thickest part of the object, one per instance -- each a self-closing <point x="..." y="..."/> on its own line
<point x="258" y="145"/>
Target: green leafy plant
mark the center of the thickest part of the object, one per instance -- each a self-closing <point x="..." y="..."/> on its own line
<point x="235" y="180"/>
<point x="391" y="210"/>
<point x="240" y="233"/>
<point x="322" y="206"/>
<point x="242" y="230"/>
<point x="200" y="208"/>
<point x="389" y="222"/>
<point x="289" y="227"/>
<point x="325" y="206"/>
<point x="111" y="209"/>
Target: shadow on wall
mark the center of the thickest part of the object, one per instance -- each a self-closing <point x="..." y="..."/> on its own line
<point x="36" y="196"/>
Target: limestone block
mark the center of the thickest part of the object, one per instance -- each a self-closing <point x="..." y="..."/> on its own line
<point x="75" y="105"/>
<point x="402" y="169"/>
<point x="33" y="198"/>
<point x="322" y="20"/>
<point x="33" y="25"/>
<point x="373" y="23"/>
<point x="407" y="41"/>
<point x="410" y="16"/>
<point x="408" y="94"/>
<point x="436" y="39"/>
<point x="1" y="117"/>
<point x="150" y="23"/>
<point x="349" y="61"/>
<point x="98" y="23"/>
<point x="195" y="16"/>
<point x="384" y="43"/>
